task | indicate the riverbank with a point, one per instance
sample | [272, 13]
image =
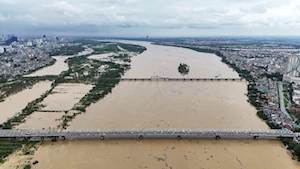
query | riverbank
[255, 97]
[9, 149]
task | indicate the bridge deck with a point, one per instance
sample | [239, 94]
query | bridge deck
[174, 79]
[147, 79]
[147, 134]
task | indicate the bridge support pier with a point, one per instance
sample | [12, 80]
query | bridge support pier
[141, 137]
[179, 137]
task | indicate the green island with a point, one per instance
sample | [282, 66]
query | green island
[183, 69]
[82, 69]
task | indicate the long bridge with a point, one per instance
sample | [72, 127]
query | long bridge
[154, 78]
[173, 79]
[129, 134]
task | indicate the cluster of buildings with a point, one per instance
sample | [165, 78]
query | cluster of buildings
[259, 62]
[292, 69]
[21, 56]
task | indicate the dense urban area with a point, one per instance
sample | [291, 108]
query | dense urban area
[261, 61]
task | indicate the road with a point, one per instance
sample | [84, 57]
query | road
[282, 106]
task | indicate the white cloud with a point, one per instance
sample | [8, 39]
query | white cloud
[63, 7]
[234, 17]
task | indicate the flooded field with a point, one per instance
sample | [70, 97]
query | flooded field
[42, 120]
[17, 102]
[63, 98]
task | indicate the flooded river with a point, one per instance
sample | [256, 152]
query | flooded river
[164, 154]
[163, 61]
[59, 66]
[169, 105]
[172, 105]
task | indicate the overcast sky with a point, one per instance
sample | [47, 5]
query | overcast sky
[139, 18]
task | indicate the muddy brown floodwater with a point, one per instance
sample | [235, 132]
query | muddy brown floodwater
[59, 66]
[172, 105]
[169, 105]
[63, 98]
[17, 102]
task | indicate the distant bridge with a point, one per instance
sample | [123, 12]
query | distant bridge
[173, 79]
[127, 134]
[154, 78]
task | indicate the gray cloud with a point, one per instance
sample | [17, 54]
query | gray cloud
[154, 18]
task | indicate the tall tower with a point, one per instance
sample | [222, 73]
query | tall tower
[292, 69]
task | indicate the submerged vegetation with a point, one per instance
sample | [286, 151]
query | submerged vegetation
[8, 147]
[132, 48]
[67, 50]
[85, 70]
[28, 110]
[9, 88]
[104, 48]
[81, 70]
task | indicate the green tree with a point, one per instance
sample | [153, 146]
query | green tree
[183, 69]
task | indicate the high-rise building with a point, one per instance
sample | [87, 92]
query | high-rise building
[292, 69]
[1, 49]
[11, 40]
[38, 42]
[29, 43]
